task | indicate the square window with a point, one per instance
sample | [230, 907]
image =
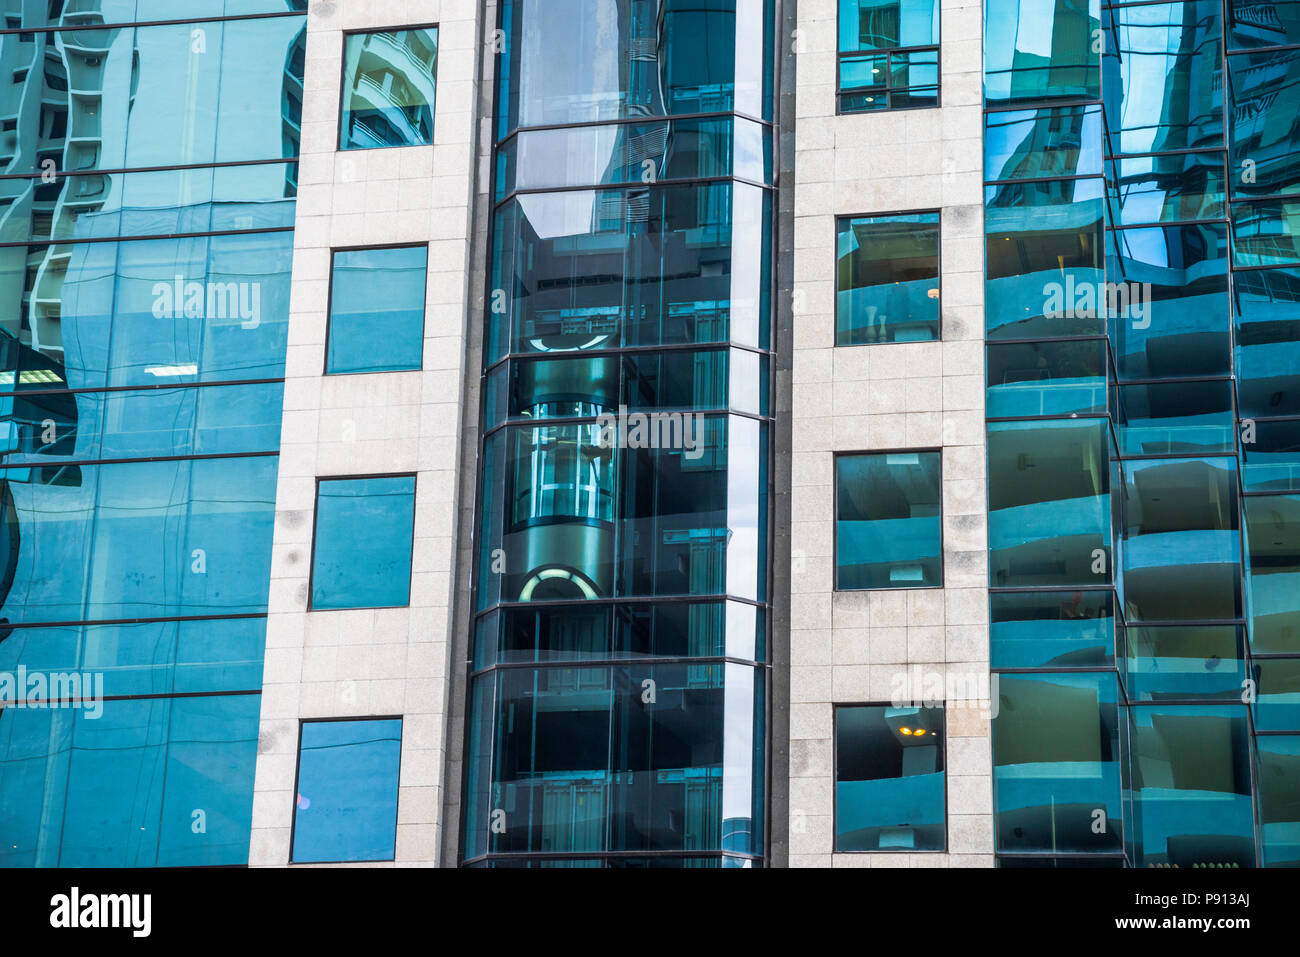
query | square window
[888, 521]
[346, 803]
[389, 79]
[364, 535]
[889, 779]
[376, 321]
[888, 55]
[887, 279]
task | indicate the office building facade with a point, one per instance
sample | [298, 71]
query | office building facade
[648, 433]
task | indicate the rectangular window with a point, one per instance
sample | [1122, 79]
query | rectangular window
[376, 320]
[888, 55]
[888, 521]
[887, 279]
[889, 780]
[345, 808]
[388, 88]
[362, 550]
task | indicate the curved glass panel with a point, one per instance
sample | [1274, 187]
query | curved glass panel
[1046, 378]
[388, 88]
[634, 153]
[1165, 188]
[1176, 418]
[1265, 156]
[1041, 49]
[1184, 663]
[1277, 705]
[1049, 503]
[1052, 629]
[1182, 549]
[1048, 143]
[616, 758]
[656, 265]
[625, 58]
[1272, 462]
[1163, 88]
[1177, 282]
[1266, 233]
[376, 320]
[1190, 791]
[1044, 258]
[1056, 764]
[1279, 799]
[1273, 543]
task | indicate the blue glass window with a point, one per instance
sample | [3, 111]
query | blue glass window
[362, 551]
[388, 88]
[889, 779]
[888, 527]
[888, 54]
[887, 279]
[1041, 49]
[1279, 799]
[345, 808]
[376, 321]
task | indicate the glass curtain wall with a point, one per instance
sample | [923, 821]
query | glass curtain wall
[147, 180]
[618, 685]
[1140, 304]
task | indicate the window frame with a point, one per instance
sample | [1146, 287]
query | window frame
[835, 278]
[885, 89]
[835, 519]
[315, 520]
[329, 307]
[297, 779]
[835, 776]
[343, 87]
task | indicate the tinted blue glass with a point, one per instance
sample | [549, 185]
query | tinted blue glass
[665, 264]
[888, 526]
[1264, 234]
[1049, 503]
[1181, 553]
[346, 805]
[1279, 799]
[627, 58]
[1176, 418]
[873, 25]
[1273, 547]
[1265, 158]
[1163, 87]
[889, 779]
[1272, 462]
[152, 312]
[48, 427]
[1051, 142]
[1056, 774]
[1277, 704]
[1176, 320]
[1052, 629]
[1044, 257]
[1047, 378]
[138, 658]
[376, 318]
[1184, 663]
[586, 767]
[634, 153]
[1190, 789]
[138, 540]
[362, 551]
[1041, 49]
[1263, 23]
[388, 88]
[1165, 188]
[143, 11]
[124, 787]
[887, 279]
[1268, 346]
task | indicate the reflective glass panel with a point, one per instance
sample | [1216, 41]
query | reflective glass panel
[362, 549]
[388, 88]
[887, 279]
[376, 321]
[888, 526]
